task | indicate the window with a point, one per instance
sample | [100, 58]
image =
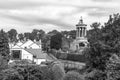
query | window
[16, 54]
[81, 45]
[34, 56]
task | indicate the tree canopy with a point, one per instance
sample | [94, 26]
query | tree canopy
[12, 34]
[103, 43]
[56, 41]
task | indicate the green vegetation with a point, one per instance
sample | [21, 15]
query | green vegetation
[4, 50]
[73, 75]
[104, 43]
[56, 41]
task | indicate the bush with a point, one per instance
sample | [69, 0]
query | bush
[96, 75]
[54, 71]
[10, 74]
[23, 73]
[73, 75]
[57, 71]
[113, 68]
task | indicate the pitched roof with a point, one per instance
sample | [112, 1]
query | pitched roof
[36, 52]
[19, 43]
[34, 44]
[27, 43]
[16, 47]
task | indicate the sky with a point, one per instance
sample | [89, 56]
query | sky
[25, 15]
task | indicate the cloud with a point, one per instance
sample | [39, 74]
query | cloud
[63, 14]
[103, 0]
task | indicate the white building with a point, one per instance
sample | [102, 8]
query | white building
[28, 50]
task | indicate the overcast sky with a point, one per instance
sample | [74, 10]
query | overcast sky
[25, 15]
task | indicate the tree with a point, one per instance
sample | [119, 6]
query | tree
[27, 35]
[56, 41]
[104, 42]
[34, 34]
[95, 25]
[12, 34]
[72, 34]
[94, 33]
[21, 36]
[65, 33]
[40, 35]
[4, 50]
[53, 32]
[4, 46]
[46, 42]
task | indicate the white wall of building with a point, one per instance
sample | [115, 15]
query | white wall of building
[38, 61]
[24, 54]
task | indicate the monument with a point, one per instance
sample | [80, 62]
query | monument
[81, 41]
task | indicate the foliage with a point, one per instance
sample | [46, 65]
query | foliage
[10, 74]
[21, 36]
[103, 43]
[53, 71]
[96, 75]
[56, 41]
[68, 56]
[4, 46]
[23, 73]
[3, 63]
[12, 34]
[57, 71]
[73, 75]
[46, 42]
[21, 62]
[27, 35]
[72, 34]
[53, 32]
[41, 34]
[113, 68]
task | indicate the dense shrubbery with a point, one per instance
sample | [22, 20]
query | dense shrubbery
[104, 43]
[66, 56]
[53, 71]
[113, 68]
[57, 71]
[96, 75]
[73, 75]
[23, 73]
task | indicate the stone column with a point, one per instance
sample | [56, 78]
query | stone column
[80, 32]
[85, 31]
[76, 32]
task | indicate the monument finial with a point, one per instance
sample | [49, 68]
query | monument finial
[81, 20]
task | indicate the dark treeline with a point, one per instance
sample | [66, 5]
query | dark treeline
[37, 35]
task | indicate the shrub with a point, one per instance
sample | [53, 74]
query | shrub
[10, 74]
[96, 75]
[57, 71]
[73, 75]
[113, 68]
